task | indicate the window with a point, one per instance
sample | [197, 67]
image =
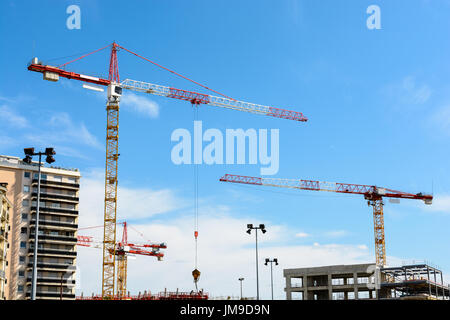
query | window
[363, 294]
[26, 174]
[57, 178]
[72, 180]
[43, 176]
[21, 273]
[23, 244]
[363, 280]
[25, 203]
[24, 217]
[20, 288]
[26, 188]
[23, 230]
[21, 259]
[56, 205]
[338, 296]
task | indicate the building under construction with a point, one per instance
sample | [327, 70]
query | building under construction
[365, 281]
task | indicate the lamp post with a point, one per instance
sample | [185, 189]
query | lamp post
[261, 227]
[29, 153]
[271, 271]
[240, 280]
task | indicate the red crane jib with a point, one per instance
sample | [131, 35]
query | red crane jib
[366, 190]
[67, 74]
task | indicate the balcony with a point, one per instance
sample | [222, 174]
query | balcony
[46, 195]
[53, 280]
[54, 224]
[57, 183]
[63, 211]
[50, 294]
[50, 265]
[53, 237]
[60, 252]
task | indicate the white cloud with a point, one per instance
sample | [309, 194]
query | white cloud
[69, 131]
[441, 203]
[302, 235]
[441, 119]
[6, 141]
[61, 131]
[9, 117]
[414, 93]
[133, 203]
[409, 92]
[336, 233]
[140, 104]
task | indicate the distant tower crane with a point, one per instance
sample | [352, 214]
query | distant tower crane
[374, 196]
[114, 92]
[122, 250]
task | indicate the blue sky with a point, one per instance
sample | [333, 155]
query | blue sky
[378, 105]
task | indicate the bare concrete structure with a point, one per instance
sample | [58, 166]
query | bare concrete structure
[339, 282]
[58, 223]
[418, 281]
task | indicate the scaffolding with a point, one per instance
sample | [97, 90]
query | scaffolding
[414, 281]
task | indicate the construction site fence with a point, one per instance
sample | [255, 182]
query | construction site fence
[159, 296]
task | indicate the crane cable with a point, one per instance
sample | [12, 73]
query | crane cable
[196, 272]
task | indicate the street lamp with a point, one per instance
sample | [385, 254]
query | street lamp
[29, 153]
[240, 280]
[261, 227]
[271, 272]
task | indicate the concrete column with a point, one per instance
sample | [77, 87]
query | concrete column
[288, 288]
[355, 284]
[305, 286]
[330, 287]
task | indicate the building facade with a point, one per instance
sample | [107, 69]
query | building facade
[339, 282]
[5, 208]
[58, 223]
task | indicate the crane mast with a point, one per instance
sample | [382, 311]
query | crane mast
[373, 194]
[112, 156]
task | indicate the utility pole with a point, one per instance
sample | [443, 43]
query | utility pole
[29, 153]
[271, 271]
[240, 280]
[261, 227]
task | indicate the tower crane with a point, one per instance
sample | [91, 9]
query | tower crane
[373, 194]
[121, 252]
[114, 93]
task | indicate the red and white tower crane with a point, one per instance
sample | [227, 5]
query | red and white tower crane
[122, 251]
[114, 93]
[373, 194]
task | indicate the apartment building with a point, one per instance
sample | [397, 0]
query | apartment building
[58, 222]
[5, 207]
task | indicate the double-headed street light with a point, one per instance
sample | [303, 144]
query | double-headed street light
[240, 280]
[261, 227]
[275, 260]
[29, 153]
